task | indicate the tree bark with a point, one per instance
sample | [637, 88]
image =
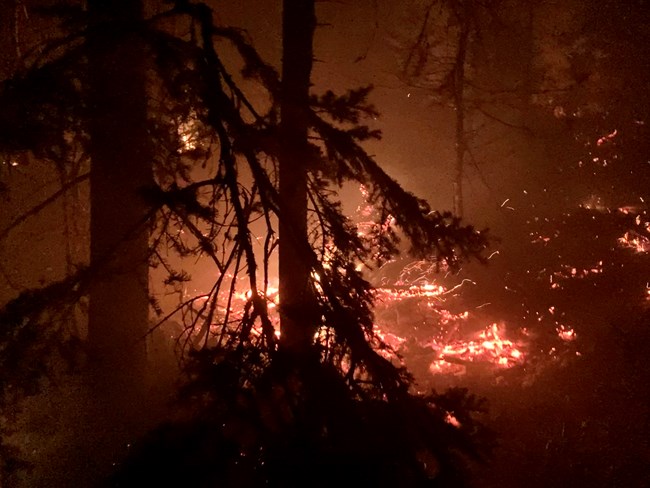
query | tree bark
[120, 168]
[299, 21]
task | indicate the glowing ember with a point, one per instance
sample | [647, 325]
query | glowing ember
[488, 347]
[566, 333]
[422, 314]
[403, 292]
[452, 420]
[571, 272]
[607, 138]
[635, 241]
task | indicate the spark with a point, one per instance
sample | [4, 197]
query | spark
[504, 204]
[607, 138]
[466, 280]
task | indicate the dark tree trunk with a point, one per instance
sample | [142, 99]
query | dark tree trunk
[120, 168]
[299, 21]
[459, 105]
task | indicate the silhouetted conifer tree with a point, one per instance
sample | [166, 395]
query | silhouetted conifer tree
[262, 414]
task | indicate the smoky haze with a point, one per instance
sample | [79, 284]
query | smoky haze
[527, 119]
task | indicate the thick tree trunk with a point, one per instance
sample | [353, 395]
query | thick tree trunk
[120, 168]
[299, 21]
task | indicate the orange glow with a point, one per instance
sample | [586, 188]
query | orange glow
[488, 347]
[635, 241]
[452, 420]
[566, 333]
[607, 138]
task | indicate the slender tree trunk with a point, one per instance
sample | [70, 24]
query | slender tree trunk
[459, 105]
[299, 21]
[120, 168]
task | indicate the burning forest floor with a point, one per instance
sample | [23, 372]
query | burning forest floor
[554, 333]
[568, 409]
